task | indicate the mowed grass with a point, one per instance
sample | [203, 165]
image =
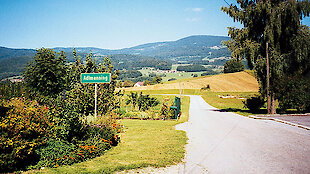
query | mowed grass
[229, 104]
[226, 104]
[231, 82]
[143, 143]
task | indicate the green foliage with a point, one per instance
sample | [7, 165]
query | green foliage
[135, 62]
[279, 26]
[47, 73]
[191, 68]
[25, 127]
[145, 102]
[58, 152]
[209, 72]
[157, 80]
[10, 90]
[172, 79]
[254, 103]
[67, 119]
[133, 99]
[294, 93]
[233, 65]
[128, 83]
[206, 88]
[166, 112]
[129, 74]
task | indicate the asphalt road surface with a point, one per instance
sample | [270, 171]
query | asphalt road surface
[223, 142]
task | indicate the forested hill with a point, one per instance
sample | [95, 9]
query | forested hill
[191, 49]
[199, 45]
[10, 52]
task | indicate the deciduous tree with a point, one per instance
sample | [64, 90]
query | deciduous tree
[46, 75]
[278, 23]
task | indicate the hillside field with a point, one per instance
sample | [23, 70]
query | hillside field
[231, 82]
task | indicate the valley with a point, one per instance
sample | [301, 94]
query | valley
[199, 49]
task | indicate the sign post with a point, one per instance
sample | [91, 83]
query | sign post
[95, 78]
[95, 100]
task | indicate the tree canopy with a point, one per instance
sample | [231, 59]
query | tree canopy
[47, 73]
[233, 65]
[278, 23]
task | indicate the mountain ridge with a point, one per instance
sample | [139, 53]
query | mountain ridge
[192, 49]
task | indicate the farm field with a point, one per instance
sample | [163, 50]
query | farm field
[231, 82]
[177, 75]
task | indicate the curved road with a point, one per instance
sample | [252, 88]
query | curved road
[223, 142]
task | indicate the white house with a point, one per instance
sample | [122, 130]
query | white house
[139, 84]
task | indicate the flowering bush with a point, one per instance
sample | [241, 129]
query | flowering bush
[59, 152]
[24, 128]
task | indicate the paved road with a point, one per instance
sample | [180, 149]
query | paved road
[222, 142]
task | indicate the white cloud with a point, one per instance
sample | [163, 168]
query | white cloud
[194, 9]
[192, 19]
[197, 9]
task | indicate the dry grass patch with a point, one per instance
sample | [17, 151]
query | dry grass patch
[231, 82]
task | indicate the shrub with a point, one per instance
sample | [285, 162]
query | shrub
[233, 65]
[206, 88]
[23, 129]
[294, 93]
[166, 112]
[254, 103]
[157, 80]
[58, 152]
[128, 83]
[145, 102]
[98, 138]
[10, 89]
[209, 72]
[172, 79]
[68, 125]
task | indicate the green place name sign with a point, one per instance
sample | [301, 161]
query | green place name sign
[95, 77]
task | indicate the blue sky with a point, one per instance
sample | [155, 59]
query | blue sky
[110, 24]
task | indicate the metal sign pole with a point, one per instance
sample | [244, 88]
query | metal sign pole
[95, 78]
[95, 100]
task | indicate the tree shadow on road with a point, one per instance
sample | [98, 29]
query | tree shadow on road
[244, 111]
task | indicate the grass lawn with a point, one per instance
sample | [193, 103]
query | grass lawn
[228, 104]
[143, 143]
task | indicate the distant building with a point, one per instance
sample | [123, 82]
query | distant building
[13, 80]
[16, 80]
[139, 84]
